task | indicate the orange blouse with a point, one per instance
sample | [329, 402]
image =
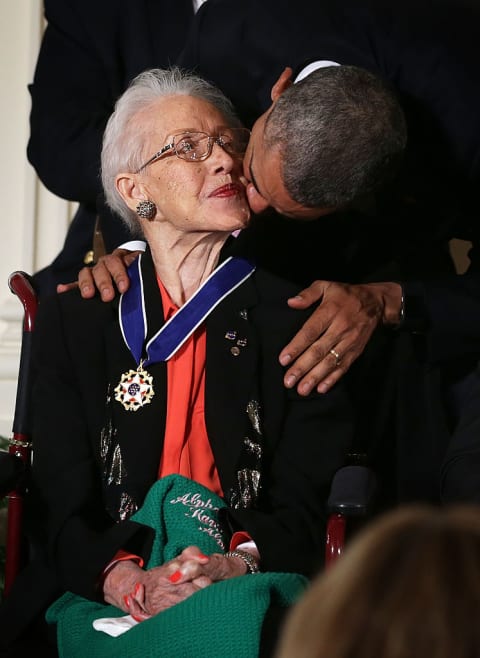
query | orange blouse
[186, 448]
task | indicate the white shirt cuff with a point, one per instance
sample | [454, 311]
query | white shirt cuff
[133, 245]
[313, 66]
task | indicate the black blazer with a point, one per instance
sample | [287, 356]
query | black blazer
[91, 51]
[79, 357]
[429, 52]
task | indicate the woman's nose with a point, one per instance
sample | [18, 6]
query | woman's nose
[222, 160]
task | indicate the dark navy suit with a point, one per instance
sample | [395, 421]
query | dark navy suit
[428, 51]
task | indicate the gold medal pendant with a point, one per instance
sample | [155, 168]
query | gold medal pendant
[135, 389]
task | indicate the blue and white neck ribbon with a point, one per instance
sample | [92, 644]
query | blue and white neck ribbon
[167, 341]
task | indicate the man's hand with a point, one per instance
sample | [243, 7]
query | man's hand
[337, 332]
[109, 269]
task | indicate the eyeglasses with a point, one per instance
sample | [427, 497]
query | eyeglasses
[197, 146]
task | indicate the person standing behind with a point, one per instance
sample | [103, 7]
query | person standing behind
[410, 224]
[422, 50]
[89, 53]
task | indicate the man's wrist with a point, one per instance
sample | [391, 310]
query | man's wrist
[416, 314]
[393, 302]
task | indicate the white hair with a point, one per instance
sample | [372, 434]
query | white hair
[124, 138]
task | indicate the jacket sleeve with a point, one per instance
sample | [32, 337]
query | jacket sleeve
[447, 313]
[66, 494]
[306, 440]
[289, 527]
[72, 97]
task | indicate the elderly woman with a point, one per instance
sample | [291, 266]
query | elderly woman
[169, 457]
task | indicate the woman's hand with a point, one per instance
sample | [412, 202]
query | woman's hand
[337, 332]
[208, 570]
[146, 593]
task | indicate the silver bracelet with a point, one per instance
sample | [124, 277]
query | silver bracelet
[250, 561]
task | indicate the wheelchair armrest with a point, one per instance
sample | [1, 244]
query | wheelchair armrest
[12, 470]
[352, 491]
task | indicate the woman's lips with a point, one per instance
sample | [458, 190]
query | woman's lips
[231, 189]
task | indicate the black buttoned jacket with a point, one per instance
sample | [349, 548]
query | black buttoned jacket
[79, 357]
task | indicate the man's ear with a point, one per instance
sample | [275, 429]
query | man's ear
[283, 83]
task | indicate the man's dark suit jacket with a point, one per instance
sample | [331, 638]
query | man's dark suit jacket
[429, 52]
[79, 357]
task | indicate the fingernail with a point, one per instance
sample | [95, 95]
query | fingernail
[175, 577]
[137, 587]
[322, 388]
[122, 286]
[285, 359]
[137, 618]
[305, 389]
[290, 381]
[126, 600]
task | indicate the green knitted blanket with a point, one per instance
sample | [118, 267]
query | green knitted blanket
[223, 620]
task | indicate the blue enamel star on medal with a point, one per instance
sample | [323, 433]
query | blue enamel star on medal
[135, 389]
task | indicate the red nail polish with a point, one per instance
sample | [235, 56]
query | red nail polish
[137, 587]
[126, 600]
[175, 577]
[202, 555]
[137, 618]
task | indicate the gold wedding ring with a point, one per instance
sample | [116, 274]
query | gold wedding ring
[336, 355]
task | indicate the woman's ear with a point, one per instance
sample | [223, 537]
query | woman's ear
[130, 190]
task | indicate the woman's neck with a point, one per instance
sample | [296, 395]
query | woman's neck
[184, 263]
